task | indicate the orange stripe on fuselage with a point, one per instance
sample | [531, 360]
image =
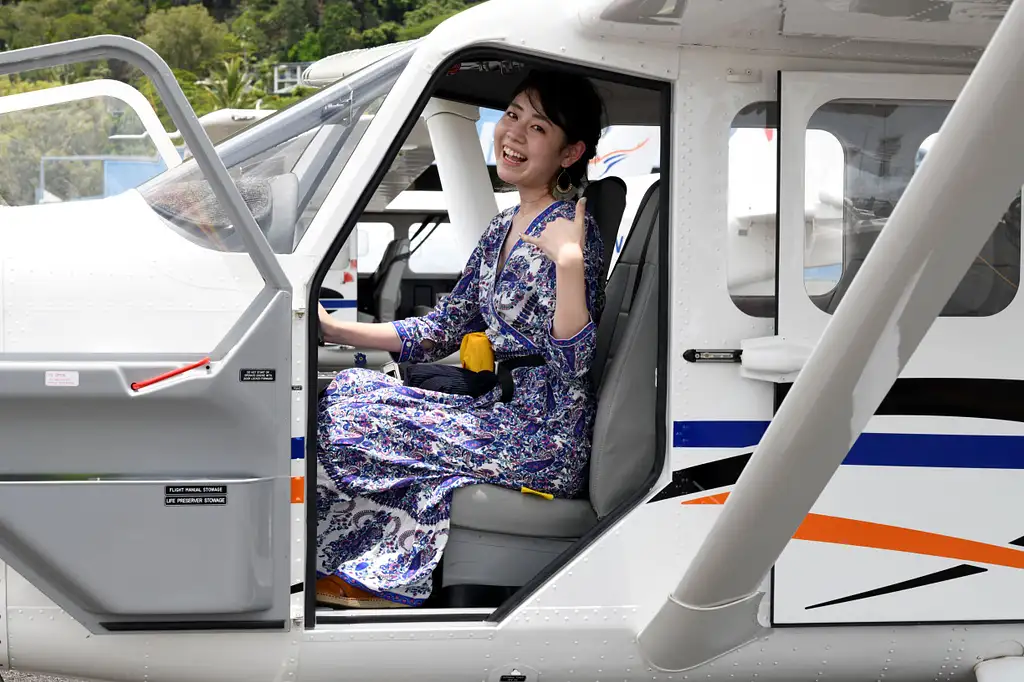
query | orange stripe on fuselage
[710, 499]
[298, 489]
[840, 531]
[717, 498]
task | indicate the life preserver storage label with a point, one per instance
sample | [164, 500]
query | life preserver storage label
[195, 495]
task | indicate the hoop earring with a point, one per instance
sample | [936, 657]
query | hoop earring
[558, 184]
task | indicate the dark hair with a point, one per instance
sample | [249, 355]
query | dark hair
[572, 103]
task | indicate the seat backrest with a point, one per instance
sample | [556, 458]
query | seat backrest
[606, 201]
[387, 293]
[624, 442]
[384, 263]
[622, 283]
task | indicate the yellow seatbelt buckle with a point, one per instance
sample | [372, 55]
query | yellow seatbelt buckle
[528, 491]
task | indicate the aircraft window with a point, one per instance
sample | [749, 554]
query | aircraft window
[884, 142]
[81, 149]
[371, 241]
[753, 153]
[433, 253]
[626, 151]
[823, 190]
[865, 175]
[751, 216]
[284, 166]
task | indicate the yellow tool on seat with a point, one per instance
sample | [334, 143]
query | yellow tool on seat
[529, 491]
[476, 353]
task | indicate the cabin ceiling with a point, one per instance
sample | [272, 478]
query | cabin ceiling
[490, 84]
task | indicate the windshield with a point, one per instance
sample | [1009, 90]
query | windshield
[283, 166]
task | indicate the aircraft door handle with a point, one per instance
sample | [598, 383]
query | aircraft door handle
[713, 355]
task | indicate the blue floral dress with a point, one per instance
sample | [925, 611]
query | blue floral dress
[390, 457]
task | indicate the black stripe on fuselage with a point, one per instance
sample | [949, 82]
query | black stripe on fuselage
[961, 571]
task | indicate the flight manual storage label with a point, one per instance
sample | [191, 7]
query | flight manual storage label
[195, 495]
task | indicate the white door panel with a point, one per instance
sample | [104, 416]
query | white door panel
[140, 489]
[912, 524]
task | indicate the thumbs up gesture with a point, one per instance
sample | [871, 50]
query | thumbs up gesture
[562, 239]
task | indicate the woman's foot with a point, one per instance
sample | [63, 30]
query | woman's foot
[333, 591]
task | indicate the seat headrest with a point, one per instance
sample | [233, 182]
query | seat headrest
[606, 201]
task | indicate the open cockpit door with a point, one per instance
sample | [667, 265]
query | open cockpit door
[922, 521]
[145, 476]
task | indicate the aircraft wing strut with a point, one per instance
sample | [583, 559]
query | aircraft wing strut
[936, 230]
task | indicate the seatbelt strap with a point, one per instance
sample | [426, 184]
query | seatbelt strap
[504, 371]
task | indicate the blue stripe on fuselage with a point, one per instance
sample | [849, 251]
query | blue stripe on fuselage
[872, 449]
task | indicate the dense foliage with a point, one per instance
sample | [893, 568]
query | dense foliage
[192, 35]
[221, 51]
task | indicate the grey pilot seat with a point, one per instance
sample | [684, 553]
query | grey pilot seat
[387, 281]
[499, 538]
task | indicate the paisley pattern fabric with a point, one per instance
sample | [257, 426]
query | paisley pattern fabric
[390, 457]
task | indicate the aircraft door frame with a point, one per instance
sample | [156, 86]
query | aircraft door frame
[158, 485]
[933, 470]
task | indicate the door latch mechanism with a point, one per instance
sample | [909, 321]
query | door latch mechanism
[715, 355]
[774, 359]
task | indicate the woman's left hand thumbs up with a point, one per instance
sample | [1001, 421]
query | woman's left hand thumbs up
[562, 239]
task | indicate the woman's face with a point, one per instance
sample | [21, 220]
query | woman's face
[529, 148]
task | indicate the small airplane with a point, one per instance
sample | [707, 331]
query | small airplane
[807, 450]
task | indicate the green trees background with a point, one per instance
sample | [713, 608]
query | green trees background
[222, 51]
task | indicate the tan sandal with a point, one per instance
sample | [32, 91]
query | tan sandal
[333, 591]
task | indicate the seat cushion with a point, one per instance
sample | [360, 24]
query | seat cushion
[500, 510]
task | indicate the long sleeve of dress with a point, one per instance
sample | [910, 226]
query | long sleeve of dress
[454, 316]
[572, 357]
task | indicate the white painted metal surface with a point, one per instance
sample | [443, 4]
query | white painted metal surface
[582, 622]
[917, 263]
[182, 297]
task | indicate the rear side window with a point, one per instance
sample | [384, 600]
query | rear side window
[860, 158]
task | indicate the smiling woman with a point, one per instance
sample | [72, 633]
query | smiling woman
[548, 103]
[391, 455]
